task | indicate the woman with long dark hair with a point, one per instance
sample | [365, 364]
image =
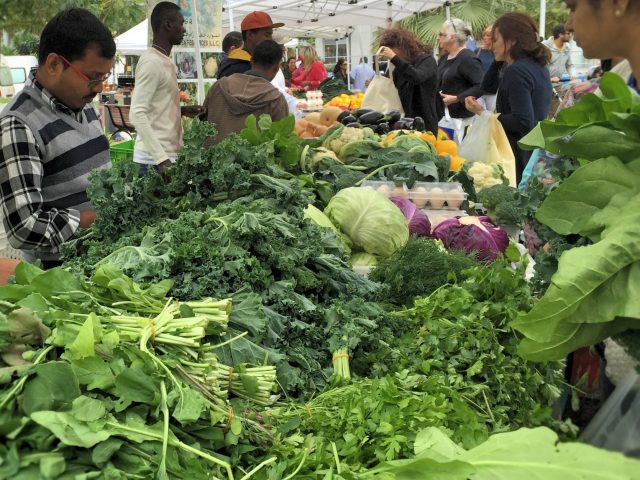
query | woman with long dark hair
[415, 74]
[340, 70]
[524, 92]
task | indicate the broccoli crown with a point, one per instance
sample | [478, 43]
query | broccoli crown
[502, 203]
[495, 195]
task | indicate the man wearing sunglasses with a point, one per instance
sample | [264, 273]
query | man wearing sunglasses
[52, 139]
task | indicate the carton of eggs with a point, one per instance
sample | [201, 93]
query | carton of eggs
[314, 100]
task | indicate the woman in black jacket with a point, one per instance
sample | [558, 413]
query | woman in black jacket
[459, 70]
[524, 89]
[415, 74]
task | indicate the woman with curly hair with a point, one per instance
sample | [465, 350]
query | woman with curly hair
[415, 74]
[524, 92]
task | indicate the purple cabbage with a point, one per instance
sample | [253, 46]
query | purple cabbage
[419, 223]
[473, 235]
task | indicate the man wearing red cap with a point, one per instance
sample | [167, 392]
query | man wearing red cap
[255, 27]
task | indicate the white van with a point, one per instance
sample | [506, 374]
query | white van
[6, 80]
[20, 66]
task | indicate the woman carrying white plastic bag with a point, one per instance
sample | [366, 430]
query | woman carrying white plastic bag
[524, 92]
[486, 142]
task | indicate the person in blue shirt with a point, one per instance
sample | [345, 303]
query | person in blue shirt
[362, 74]
[524, 92]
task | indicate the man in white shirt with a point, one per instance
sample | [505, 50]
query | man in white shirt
[155, 104]
[362, 74]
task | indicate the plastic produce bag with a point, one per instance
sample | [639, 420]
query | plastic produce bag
[455, 127]
[487, 142]
[382, 95]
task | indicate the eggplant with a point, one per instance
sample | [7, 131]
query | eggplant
[361, 111]
[348, 119]
[353, 125]
[403, 124]
[418, 124]
[393, 116]
[382, 128]
[343, 114]
[370, 118]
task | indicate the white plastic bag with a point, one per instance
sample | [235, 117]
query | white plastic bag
[456, 125]
[487, 142]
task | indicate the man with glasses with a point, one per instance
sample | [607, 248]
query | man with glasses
[560, 67]
[52, 138]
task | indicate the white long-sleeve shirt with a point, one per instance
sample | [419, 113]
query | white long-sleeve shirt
[155, 109]
[292, 102]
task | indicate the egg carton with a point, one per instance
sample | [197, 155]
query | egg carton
[437, 195]
[388, 189]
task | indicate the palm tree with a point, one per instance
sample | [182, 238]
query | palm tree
[477, 13]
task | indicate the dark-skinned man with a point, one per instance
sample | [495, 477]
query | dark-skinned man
[51, 137]
[256, 27]
[155, 104]
[232, 99]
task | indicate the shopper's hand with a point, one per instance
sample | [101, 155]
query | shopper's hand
[472, 105]
[162, 167]
[87, 218]
[191, 110]
[386, 52]
[555, 79]
[449, 99]
[305, 83]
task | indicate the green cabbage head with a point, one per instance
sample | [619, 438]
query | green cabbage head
[370, 220]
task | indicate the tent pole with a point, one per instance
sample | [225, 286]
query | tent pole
[232, 27]
[349, 62]
[447, 9]
[543, 17]
[389, 13]
[196, 44]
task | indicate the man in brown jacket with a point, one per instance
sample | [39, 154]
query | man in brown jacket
[232, 99]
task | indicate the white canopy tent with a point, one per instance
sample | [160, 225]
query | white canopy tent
[325, 18]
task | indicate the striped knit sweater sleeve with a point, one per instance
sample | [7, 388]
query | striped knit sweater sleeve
[21, 173]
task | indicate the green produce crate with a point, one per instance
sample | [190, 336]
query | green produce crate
[121, 151]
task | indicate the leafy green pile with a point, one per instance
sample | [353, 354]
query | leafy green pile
[464, 340]
[110, 379]
[417, 269]
[526, 453]
[283, 271]
[590, 297]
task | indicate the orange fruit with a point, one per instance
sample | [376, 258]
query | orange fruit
[429, 137]
[447, 146]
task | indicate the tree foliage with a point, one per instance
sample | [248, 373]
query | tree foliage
[32, 15]
[480, 13]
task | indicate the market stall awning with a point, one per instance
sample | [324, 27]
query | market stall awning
[326, 18]
[134, 40]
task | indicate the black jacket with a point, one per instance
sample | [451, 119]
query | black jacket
[524, 97]
[459, 76]
[416, 83]
[229, 66]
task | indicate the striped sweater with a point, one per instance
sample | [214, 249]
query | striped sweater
[47, 152]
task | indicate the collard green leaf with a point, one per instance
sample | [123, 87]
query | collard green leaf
[83, 346]
[580, 291]
[593, 142]
[103, 451]
[69, 429]
[54, 386]
[570, 208]
[533, 454]
[136, 386]
[190, 406]
[52, 465]
[93, 372]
